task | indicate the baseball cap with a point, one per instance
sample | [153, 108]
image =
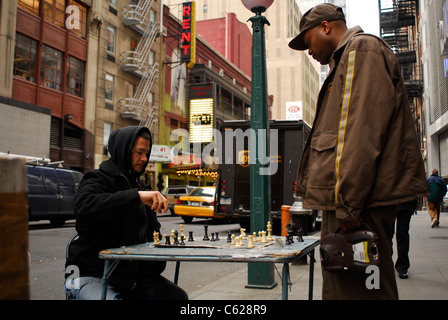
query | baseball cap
[314, 17]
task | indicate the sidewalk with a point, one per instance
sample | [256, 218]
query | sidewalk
[428, 275]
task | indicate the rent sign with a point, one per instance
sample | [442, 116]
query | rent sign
[188, 35]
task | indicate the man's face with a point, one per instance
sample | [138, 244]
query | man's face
[139, 153]
[317, 40]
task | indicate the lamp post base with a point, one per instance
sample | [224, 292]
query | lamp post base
[260, 276]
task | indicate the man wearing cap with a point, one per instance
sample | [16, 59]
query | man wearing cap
[362, 157]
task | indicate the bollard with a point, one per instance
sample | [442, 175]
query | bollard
[286, 218]
[14, 261]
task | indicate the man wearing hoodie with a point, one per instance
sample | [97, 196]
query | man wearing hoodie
[114, 208]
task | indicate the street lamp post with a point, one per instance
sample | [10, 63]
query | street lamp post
[259, 275]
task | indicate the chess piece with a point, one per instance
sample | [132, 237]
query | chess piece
[167, 240]
[239, 241]
[243, 233]
[233, 240]
[216, 236]
[269, 228]
[176, 238]
[172, 236]
[254, 237]
[156, 237]
[299, 235]
[250, 244]
[229, 237]
[213, 237]
[182, 243]
[206, 238]
[263, 237]
[164, 239]
[190, 237]
[181, 228]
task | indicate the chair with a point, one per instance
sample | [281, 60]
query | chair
[67, 253]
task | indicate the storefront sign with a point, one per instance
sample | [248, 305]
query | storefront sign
[160, 153]
[294, 110]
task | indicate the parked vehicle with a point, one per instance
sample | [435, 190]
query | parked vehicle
[174, 192]
[51, 193]
[445, 203]
[199, 203]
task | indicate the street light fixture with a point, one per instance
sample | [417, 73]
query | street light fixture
[259, 275]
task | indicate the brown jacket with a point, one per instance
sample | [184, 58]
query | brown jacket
[362, 151]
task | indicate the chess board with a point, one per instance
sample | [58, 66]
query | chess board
[262, 239]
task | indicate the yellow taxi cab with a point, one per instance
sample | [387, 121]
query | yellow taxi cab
[200, 203]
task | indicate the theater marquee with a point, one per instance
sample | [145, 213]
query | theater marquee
[201, 113]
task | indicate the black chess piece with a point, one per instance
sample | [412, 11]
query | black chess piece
[229, 237]
[190, 236]
[216, 236]
[206, 238]
[299, 235]
[176, 238]
[182, 243]
[167, 241]
[213, 237]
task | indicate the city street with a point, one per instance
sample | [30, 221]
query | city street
[47, 247]
[428, 279]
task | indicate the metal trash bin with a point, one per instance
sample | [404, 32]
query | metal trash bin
[300, 217]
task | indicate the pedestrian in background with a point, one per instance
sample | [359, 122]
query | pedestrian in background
[404, 214]
[437, 190]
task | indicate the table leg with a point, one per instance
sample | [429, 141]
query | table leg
[311, 280]
[285, 280]
[176, 274]
[109, 267]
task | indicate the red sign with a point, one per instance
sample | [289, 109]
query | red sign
[186, 32]
[294, 109]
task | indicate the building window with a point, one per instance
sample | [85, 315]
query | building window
[54, 12]
[81, 20]
[109, 94]
[113, 2]
[51, 68]
[25, 58]
[151, 58]
[152, 17]
[75, 77]
[31, 6]
[110, 39]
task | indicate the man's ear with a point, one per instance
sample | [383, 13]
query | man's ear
[325, 26]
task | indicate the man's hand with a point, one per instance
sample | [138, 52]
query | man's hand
[155, 200]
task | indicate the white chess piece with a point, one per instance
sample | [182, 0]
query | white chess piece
[181, 227]
[263, 237]
[156, 237]
[269, 237]
[250, 244]
[254, 236]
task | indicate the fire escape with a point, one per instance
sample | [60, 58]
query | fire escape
[138, 63]
[398, 27]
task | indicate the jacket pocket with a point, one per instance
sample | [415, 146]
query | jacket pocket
[322, 158]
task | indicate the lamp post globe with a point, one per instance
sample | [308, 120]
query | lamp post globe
[257, 5]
